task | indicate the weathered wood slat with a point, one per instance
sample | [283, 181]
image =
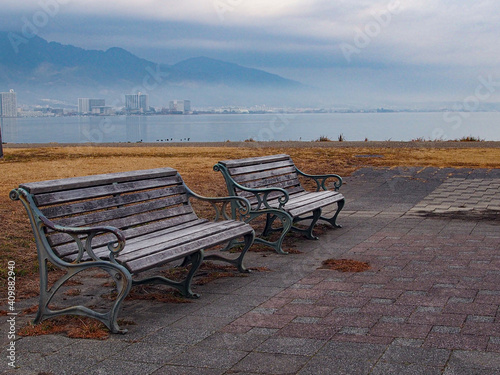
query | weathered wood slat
[255, 160]
[121, 212]
[243, 178]
[95, 180]
[148, 246]
[87, 206]
[302, 209]
[157, 228]
[283, 182]
[260, 167]
[307, 198]
[189, 247]
[131, 221]
[94, 192]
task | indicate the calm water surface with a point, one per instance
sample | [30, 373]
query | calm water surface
[283, 127]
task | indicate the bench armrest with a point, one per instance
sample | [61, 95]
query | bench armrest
[261, 194]
[39, 220]
[321, 180]
[240, 207]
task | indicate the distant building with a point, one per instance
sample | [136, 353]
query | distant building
[8, 104]
[137, 102]
[105, 111]
[180, 106]
[86, 105]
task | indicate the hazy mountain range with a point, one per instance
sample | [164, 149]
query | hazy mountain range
[49, 72]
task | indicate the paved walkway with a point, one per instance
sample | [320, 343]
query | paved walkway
[428, 305]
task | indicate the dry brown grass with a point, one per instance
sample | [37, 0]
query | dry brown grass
[345, 265]
[195, 165]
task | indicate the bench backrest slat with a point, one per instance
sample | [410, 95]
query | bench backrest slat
[260, 167]
[87, 206]
[256, 160]
[135, 202]
[263, 172]
[103, 190]
[110, 215]
[95, 180]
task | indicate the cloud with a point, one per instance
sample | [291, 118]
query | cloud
[411, 32]
[426, 44]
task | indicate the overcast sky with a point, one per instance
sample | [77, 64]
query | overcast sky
[366, 51]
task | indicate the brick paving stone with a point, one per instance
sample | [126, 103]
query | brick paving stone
[421, 300]
[271, 363]
[263, 320]
[393, 309]
[308, 331]
[305, 310]
[384, 368]
[293, 346]
[201, 357]
[242, 342]
[456, 341]
[302, 293]
[120, 366]
[480, 328]
[421, 356]
[446, 329]
[343, 301]
[408, 342]
[185, 370]
[394, 330]
[487, 362]
[306, 319]
[431, 318]
[471, 309]
[494, 344]
[350, 319]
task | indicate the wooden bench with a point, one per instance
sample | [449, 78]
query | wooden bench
[271, 184]
[124, 224]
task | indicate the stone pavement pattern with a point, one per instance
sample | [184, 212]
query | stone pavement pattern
[428, 305]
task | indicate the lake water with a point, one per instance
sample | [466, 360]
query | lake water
[402, 126]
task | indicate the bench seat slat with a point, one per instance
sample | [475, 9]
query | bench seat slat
[151, 241]
[156, 228]
[314, 204]
[189, 247]
[150, 246]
